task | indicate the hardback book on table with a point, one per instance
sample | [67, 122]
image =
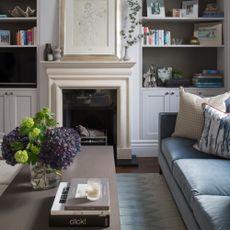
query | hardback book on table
[67, 210]
[82, 203]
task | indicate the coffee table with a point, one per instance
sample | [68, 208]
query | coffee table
[22, 208]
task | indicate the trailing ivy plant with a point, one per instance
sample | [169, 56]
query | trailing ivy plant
[128, 34]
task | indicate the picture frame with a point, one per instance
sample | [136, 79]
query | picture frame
[208, 33]
[155, 8]
[88, 29]
[163, 74]
[4, 37]
[190, 9]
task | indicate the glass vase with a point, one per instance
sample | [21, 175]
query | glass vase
[44, 177]
[126, 56]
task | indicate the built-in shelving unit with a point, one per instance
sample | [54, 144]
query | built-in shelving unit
[187, 58]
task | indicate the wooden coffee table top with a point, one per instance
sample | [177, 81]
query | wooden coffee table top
[22, 208]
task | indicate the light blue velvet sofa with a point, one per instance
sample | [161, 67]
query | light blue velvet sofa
[199, 182]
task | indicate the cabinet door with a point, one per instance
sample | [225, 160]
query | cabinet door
[154, 102]
[22, 103]
[174, 99]
[4, 114]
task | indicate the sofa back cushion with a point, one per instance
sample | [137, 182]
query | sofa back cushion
[215, 138]
[190, 119]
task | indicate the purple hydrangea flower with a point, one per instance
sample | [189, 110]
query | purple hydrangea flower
[60, 147]
[13, 138]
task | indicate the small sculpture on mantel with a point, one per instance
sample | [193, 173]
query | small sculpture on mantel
[149, 78]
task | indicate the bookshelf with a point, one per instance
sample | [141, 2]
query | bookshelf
[18, 78]
[186, 57]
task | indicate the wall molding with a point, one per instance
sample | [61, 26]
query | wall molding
[144, 148]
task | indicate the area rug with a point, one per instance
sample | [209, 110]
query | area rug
[145, 203]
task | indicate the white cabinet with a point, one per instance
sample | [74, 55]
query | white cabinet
[15, 104]
[159, 100]
[154, 102]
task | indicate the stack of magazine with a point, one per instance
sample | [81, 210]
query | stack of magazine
[208, 79]
[69, 209]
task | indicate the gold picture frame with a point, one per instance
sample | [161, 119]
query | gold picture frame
[89, 29]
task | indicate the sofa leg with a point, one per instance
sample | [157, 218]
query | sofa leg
[160, 170]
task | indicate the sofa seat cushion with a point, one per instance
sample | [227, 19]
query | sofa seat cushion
[212, 212]
[174, 148]
[202, 177]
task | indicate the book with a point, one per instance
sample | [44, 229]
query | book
[29, 37]
[74, 202]
[80, 220]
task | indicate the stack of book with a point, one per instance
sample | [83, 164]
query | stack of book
[71, 207]
[26, 37]
[208, 79]
[156, 37]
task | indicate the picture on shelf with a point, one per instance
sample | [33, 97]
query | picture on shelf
[155, 8]
[208, 33]
[163, 74]
[190, 9]
[4, 37]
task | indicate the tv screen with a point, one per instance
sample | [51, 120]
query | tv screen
[18, 67]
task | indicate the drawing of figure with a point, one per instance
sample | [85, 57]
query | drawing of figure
[90, 24]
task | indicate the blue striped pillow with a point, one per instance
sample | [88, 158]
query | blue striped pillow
[215, 138]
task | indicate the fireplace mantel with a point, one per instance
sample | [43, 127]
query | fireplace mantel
[94, 75]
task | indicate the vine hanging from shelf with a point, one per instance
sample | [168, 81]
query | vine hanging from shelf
[128, 34]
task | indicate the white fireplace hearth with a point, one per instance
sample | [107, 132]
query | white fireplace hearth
[94, 75]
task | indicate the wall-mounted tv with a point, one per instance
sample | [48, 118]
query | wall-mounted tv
[18, 67]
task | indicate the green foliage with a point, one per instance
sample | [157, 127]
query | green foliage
[128, 35]
[35, 129]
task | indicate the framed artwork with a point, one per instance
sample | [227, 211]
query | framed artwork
[4, 37]
[155, 8]
[163, 74]
[190, 9]
[208, 33]
[88, 28]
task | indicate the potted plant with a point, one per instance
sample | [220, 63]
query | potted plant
[128, 34]
[47, 148]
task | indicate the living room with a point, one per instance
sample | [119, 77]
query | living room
[133, 92]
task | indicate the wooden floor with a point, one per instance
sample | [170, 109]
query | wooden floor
[145, 165]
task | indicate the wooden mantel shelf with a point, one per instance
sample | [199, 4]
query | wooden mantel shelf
[88, 64]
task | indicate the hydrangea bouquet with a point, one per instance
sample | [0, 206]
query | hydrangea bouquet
[47, 148]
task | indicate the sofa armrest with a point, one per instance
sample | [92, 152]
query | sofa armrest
[167, 121]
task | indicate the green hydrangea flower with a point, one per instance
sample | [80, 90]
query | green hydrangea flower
[35, 132]
[27, 122]
[35, 149]
[21, 156]
[45, 110]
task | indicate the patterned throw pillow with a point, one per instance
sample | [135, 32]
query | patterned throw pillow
[215, 138]
[189, 122]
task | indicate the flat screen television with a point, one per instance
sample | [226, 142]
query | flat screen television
[18, 67]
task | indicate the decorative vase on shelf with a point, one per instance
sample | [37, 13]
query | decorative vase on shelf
[126, 56]
[44, 177]
[57, 53]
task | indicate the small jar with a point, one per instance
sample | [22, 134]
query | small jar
[48, 52]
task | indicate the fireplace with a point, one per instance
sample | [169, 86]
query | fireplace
[96, 76]
[94, 113]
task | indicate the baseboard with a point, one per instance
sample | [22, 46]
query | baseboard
[127, 162]
[145, 148]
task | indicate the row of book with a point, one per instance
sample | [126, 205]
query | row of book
[156, 37]
[26, 37]
[208, 79]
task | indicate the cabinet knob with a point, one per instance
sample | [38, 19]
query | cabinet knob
[172, 93]
[11, 93]
[200, 93]
[167, 93]
[6, 93]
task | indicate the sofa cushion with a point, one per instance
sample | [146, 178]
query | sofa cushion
[202, 177]
[212, 212]
[215, 138]
[174, 148]
[190, 119]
